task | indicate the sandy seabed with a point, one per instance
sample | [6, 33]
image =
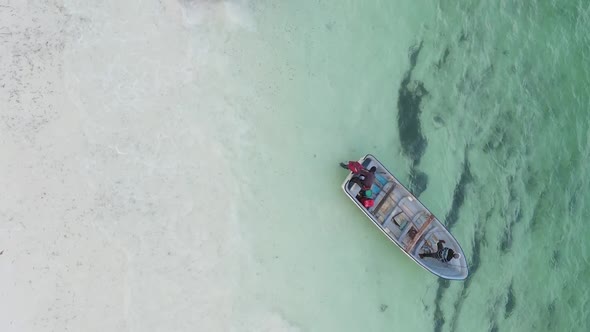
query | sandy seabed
[117, 201]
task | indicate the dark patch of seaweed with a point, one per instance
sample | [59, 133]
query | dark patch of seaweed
[412, 140]
[510, 301]
[459, 194]
[439, 318]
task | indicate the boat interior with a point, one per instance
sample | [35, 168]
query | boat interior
[407, 222]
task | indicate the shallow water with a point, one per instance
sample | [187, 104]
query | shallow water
[181, 163]
[480, 109]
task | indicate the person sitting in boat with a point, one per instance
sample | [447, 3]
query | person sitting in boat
[363, 177]
[443, 254]
[366, 198]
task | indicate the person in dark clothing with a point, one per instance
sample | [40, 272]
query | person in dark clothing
[443, 254]
[365, 178]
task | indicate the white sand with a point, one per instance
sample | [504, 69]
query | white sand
[114, 130]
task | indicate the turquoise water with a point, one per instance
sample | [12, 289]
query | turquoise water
[480, 107]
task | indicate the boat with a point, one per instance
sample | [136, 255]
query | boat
[406, 221]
